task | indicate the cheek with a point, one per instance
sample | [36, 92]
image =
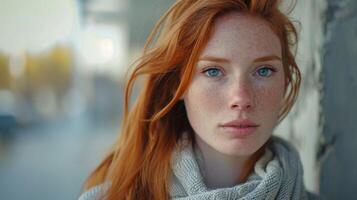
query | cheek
[269, 98]
[202, 102]
[204, 98]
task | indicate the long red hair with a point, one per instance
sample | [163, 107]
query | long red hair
[138, 167]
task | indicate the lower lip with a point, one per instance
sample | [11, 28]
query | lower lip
[240, 132]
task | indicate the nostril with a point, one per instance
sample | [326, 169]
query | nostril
[241, 106]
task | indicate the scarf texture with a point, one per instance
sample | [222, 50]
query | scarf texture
[277, 175]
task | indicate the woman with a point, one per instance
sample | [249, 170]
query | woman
[219, 77]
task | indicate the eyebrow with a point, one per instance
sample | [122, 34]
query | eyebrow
[214, 59]
[267, 58]
[223, 60]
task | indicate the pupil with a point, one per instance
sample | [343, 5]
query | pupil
[213, 72]
[263, 72]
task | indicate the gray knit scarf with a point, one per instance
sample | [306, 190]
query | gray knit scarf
[277, 175]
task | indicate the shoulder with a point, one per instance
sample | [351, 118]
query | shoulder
[94, 193]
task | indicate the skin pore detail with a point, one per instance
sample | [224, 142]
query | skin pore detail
[235, 96]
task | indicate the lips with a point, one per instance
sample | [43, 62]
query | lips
[239, 128]
[245, 123]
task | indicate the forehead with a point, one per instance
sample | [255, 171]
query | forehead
[242, 34]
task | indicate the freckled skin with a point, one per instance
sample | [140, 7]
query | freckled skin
[239, 93]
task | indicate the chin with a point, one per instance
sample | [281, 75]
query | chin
[239, 148]
[240, 151]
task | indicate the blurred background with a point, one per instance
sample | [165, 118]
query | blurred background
[62, 68]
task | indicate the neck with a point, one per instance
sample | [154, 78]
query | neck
[219, 170]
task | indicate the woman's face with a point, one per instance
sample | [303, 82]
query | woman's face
[237, 91]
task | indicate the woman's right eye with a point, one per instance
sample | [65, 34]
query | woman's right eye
[213, 72]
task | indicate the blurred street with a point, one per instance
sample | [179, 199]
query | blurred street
[51, 161]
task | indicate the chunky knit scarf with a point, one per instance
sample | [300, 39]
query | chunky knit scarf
[277, 175]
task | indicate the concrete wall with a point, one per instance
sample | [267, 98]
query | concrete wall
[321, 125]
[338, 153]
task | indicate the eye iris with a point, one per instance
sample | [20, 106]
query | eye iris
[263, 72]
[213, 72]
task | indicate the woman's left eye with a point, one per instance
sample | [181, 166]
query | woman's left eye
[213, 72]
[265, 71]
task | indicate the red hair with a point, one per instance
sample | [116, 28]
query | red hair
[138, 167]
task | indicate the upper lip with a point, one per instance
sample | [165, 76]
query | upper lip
[240, 123]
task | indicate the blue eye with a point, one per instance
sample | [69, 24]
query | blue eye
[265, 71]
[213, 72]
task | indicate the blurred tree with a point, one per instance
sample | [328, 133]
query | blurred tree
[50, 71]
[59, 63]
[4, 72]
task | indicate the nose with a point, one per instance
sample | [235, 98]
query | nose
[241, 95]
